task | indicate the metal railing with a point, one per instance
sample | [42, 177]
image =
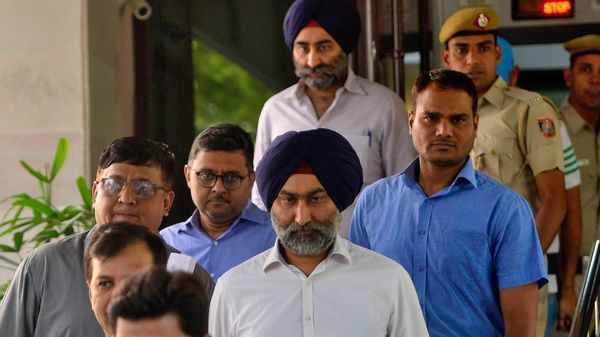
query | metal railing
[585, 322]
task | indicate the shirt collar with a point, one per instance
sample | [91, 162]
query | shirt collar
[495, 94]
[576, 122]
[251, 214]
[466, 173]
[351, 85]
[340, 249]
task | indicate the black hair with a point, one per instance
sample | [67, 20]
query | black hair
[140, 151]
[155, 293]
[445, 79]
[224, 137]
[108, 240]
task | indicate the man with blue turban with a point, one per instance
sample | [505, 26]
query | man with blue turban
[320, 35]
[313, 282]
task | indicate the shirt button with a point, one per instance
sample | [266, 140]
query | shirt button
[307, 318]
[212, 274]
[307, 282]
[215, 243]
[421, 232]
[421, 268]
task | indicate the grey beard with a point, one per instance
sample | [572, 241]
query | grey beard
[333, 74]
[321, 239]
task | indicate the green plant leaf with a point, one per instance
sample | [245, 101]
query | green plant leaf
[44, 236]
[16, 196]
[39, 175]
[84, 192]
[62, 149]
[7, 249]
[36, 206]
[18, 240]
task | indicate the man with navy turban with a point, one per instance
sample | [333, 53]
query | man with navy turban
[313, 282]
[320, 35]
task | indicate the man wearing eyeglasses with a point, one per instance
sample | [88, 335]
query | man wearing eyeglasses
[226, 228]
[49, 294]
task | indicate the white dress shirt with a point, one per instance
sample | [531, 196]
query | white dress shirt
[370, 116]
[353, 292]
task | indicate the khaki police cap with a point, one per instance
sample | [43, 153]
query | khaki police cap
[584, 44]
[470, 21]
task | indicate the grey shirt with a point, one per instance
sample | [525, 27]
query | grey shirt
[49, 294]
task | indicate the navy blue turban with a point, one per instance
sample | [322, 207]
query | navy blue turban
[327, 153]
[338, 17]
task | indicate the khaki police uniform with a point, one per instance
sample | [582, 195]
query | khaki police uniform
[518, 136]
[587, 146]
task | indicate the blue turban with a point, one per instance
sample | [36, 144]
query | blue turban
[506, 64]
[338, 17]
[326, 152]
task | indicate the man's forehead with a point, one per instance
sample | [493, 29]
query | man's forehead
[471, 39]
[301, 183]
[593, 59]
[312, 35]
[134, 172]
[136, 255]
[220, 159]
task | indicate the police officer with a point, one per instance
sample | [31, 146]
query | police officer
[581, 115]
[518, 140]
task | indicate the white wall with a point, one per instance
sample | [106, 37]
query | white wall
[41, 94]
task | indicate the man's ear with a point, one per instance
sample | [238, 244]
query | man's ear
[445, 55]
[168, 202]
[411, 120]
[186, 174]
[568, 77]
[95, 186]
[498, 54]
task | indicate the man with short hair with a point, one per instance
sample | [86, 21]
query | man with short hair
[321, 34]
[156, 303]
[226, 228]
[518, 142]
[581, 113]
[115, 252]
[133, 184]
[468, 242]
[313, 282]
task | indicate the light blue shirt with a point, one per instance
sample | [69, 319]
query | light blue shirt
[250, 234]
[460, 245]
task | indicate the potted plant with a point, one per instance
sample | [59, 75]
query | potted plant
[34, 220]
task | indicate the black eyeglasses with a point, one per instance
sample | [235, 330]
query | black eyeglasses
[143, 189]
[231, 181]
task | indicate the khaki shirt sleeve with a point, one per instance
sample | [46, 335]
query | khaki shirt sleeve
[543, 139]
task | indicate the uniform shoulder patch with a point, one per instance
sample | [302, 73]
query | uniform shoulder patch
[529, 97]
[547, 127]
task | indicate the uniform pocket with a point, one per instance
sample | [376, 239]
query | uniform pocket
[496, 157]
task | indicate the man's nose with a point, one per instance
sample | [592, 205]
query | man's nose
[443, 129]
[303, 215]
[472, 57]
[126, 196]
[313, 59]
[218, 187]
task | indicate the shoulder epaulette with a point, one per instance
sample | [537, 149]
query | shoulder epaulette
[529, 97]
